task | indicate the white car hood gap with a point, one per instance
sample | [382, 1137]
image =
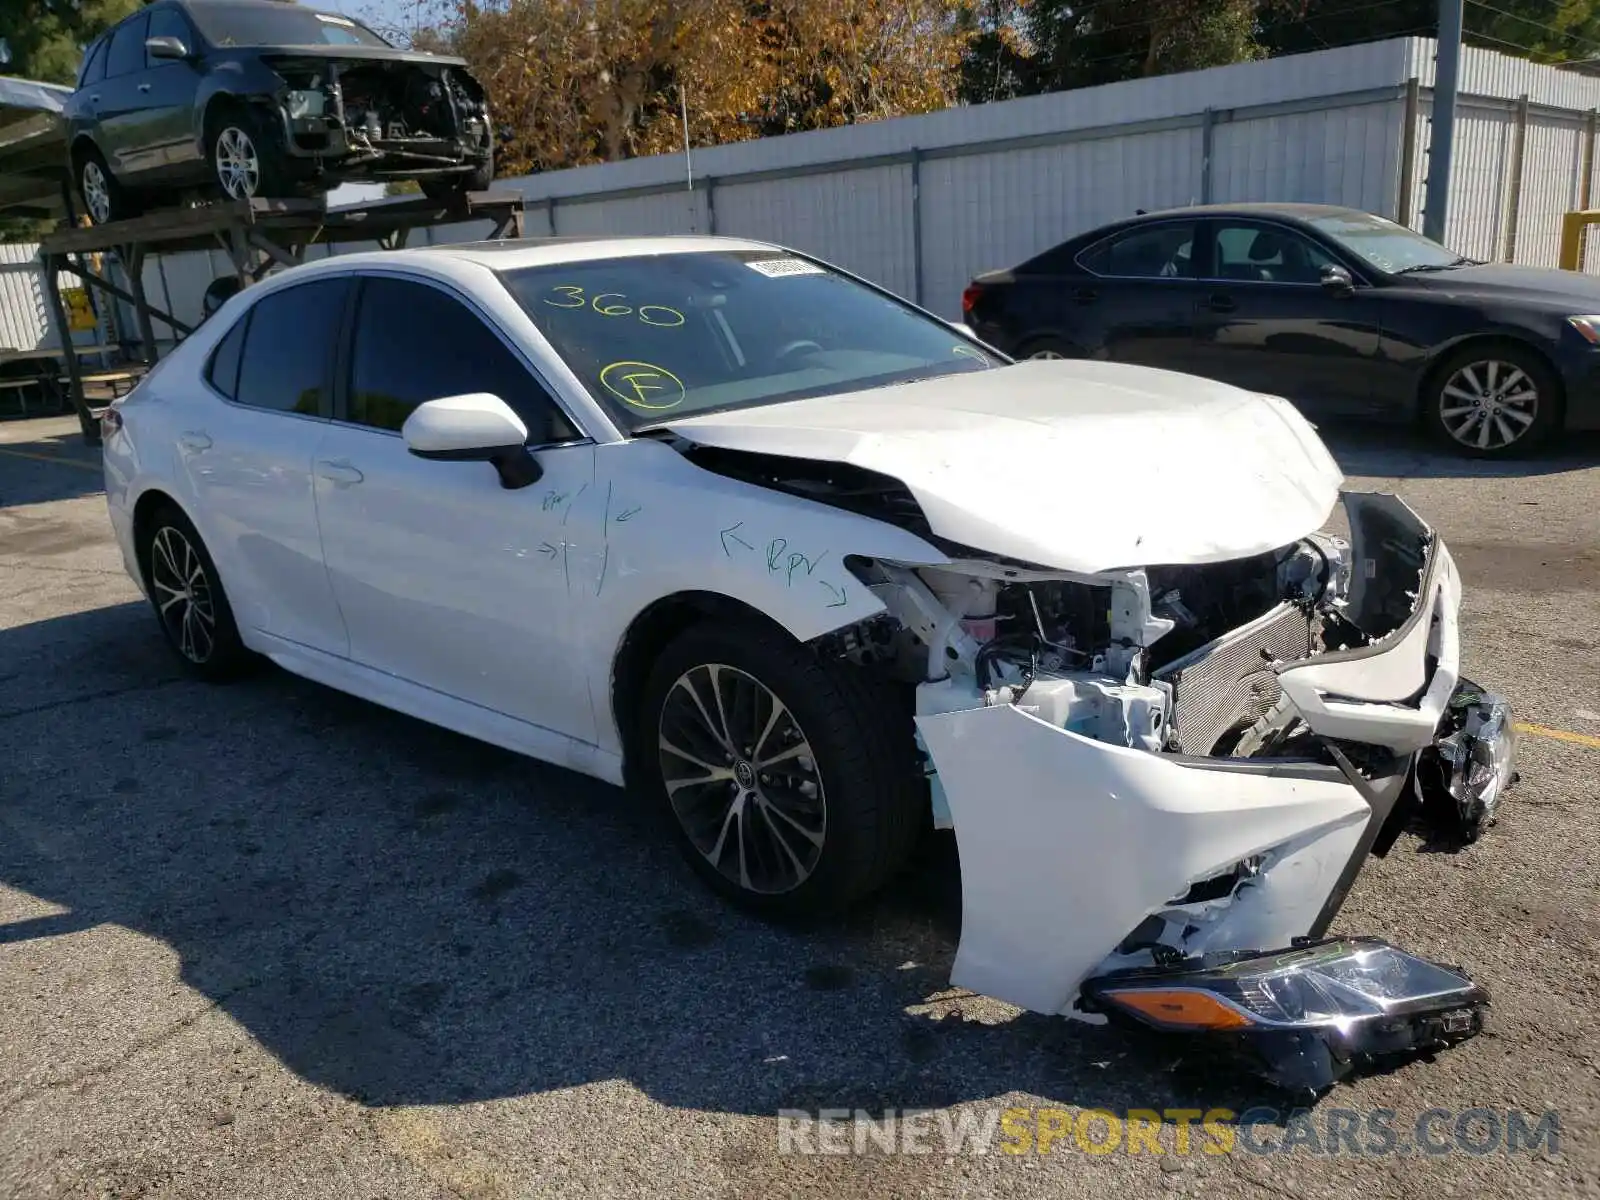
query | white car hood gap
[1077, 466]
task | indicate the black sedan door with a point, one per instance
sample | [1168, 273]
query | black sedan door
[1128, 297]
[1265, 320]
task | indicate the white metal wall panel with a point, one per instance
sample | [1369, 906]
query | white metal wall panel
[1480, 181]
[860, 220]
[1551, 176]
[1336, 156]
[24, 319]
[980, 212]
[671, 212]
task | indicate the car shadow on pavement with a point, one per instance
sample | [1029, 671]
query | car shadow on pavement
[45, 468]
[408, 917]
[1389, 451]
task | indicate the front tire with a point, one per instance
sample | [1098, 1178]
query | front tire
[789, 781]
[1492, 401]
[246, 158]
[186, 593]
[1048, 348]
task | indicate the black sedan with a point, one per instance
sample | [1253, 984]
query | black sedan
[263, 98]
[1338, 310]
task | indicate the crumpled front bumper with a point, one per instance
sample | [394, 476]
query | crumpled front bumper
[1080, 858]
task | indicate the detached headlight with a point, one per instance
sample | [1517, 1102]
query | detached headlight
[1587, 327]
[1471, 764]
[1337, 985]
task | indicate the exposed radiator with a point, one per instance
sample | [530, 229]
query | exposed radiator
[1230, 680]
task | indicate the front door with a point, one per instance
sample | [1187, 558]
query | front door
[247, 456]
[168, 91]
[1265, 321]
[447, 579]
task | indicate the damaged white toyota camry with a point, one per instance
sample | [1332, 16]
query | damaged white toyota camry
[812, 568]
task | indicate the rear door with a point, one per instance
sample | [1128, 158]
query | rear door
[1264, 320]
[247, 459]
[1133, 297]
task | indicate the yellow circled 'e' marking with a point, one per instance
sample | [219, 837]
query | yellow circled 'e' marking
[643, 385]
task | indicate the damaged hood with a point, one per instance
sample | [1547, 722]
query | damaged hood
[1077, 466]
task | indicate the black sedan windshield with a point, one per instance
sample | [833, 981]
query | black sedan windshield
[677, 334]
[1386, 245]
[254, 24]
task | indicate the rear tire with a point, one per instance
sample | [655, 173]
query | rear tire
[186, 593]
[1492, 400]
[805, 807]
[1048, 347]
[104, 199]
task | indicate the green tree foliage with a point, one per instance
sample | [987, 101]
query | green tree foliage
[47, 37]
[1553, 31]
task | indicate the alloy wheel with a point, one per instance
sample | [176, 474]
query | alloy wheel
[96, 192]
[1488, 405]
[238, 164]
[183, 595]
[742, 779]
[1047, 354]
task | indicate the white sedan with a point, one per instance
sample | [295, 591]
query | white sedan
[812, 569]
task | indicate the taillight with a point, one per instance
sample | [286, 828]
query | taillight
[969, 298]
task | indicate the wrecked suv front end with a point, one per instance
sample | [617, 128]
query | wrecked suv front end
[1164, 781]
[377, 116]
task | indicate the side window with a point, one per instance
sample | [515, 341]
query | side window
[288, 348]
[168, 22]
[127, 47]
[1267, 254]
[414, 343]
[94, 65]
[1150, 252]
[222, 372]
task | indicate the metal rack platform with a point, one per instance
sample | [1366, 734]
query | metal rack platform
[257, 235]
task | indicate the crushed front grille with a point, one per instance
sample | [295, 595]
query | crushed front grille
[1230, 681]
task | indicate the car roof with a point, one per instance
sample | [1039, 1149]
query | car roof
[1303, 212]
[509, 254]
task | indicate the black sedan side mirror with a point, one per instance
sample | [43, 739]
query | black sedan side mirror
[166, 47]
[1337, 280]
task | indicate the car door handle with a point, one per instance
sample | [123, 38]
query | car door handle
[340, 474]
[194, 440]
[1085, 295]
[94, 98]
[1219, 302]
[144, 87]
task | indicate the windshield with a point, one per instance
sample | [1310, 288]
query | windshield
[255, 24]
[671, 335]
[1387, 246]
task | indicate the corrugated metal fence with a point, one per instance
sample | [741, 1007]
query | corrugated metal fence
[921, 204]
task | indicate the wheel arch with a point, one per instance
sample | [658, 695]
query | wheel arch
[652, 630]
[150, 502]
[1444, 355]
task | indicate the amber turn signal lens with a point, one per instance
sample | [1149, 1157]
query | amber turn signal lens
[1179, 1009]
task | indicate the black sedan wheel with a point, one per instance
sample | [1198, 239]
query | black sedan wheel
[1493, 402]
[789, 781]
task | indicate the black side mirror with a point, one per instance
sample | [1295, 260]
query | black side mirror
[1337, 280]
[166, 47]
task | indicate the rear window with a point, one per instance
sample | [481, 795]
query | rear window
[94, 66]
[258, 24]
[223, 370]
[288, 348]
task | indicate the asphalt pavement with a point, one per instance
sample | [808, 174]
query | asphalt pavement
[267, 940]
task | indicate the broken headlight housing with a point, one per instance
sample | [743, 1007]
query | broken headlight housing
[1469, 767]
[1307, 1014]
